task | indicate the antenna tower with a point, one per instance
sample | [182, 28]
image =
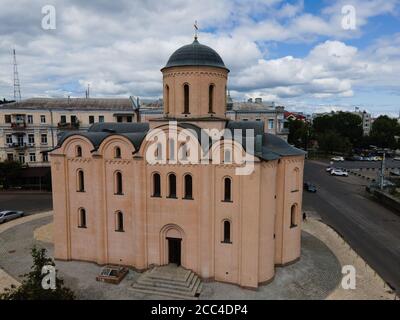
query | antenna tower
[17, 87]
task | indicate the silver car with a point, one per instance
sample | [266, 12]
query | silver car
[10, 215]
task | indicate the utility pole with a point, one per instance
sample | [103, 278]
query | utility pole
[17, 88]
[382, 172]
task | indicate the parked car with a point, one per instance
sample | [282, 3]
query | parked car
[10, 215]
[396, 158]
[337, 159]
[329, 169]
[309, 187]
[341, 173]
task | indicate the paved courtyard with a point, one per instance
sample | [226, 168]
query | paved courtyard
[315, 276]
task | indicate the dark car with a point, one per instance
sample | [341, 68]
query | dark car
[309, 187]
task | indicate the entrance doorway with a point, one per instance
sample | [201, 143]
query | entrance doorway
[174, 251]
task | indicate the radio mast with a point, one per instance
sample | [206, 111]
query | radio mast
[17, 87]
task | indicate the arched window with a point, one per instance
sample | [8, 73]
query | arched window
[158, 152]
[119, 221]
[293, 216]
[118, 182]
[117, 152]
[78, 151]
[171, 149]
[227, 189]
[81, 181]
[186, 99]
[227, 156]
[188, 187]
[156, 185]
[172, 186]
[227, 232]
[296, 180]
[82, 218]
[184, 152]
[166, 102]
[211, 98]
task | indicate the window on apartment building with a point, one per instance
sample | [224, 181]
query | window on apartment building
[119, 118]
[42, 119]
[188, 187]
[21, 158]
[156, 185]
[118, 183]
[227, 189]
[31, 138]
[63, 119]
[171, 185]
[245, 119]
[91, 119]
[119, 221]
[45, 157]
[101, 118]
[7, 118]
[82, 218]
[293, 216]
[73, 119]
[227, 231]
[32, 157]
[30, 118]
[9, 139]
[270, 124]
[129, 119]
[258, 119]
[10, 157]
[81, 181]
[43, 139]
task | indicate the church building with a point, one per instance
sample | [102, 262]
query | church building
[112, 205]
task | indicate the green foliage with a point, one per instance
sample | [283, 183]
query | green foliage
[299, 133]
[384, 131]
[31, 287]
[331, 142]
[9, 172]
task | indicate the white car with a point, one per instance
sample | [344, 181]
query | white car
[340, 173]
[337, 159]
[396, 158]
[10, 215]
[329, 169]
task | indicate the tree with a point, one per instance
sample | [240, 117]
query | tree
[9, 172]
[299, 133]
[331, 141]
[31, 287]
[384, 131]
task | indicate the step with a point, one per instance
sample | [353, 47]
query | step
[180, 290]
[171, 295]
[154, 281]
[179, 275]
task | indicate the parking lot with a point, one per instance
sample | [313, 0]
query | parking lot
[29, 202]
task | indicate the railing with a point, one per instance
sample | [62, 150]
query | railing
[18, 125]
[68, 125]
[18, 145]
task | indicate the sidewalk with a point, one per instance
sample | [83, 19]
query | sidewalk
[369, 285]
[5, 279]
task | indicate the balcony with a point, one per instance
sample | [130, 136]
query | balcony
[18, 125]
[18, 146]
[68, 125]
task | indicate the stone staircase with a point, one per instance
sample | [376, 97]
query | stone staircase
[171, 281]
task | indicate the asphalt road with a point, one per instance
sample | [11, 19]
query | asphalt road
[372, 230]
[390, 163]
[30, 202]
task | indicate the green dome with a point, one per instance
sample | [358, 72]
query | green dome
[195, 54]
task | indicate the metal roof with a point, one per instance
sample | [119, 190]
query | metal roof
[195, 54]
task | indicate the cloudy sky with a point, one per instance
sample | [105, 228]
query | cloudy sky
[297, 53]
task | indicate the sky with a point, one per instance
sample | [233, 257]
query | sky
[310, 56]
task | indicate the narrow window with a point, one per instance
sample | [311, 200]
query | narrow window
[118, 183]
[158, 152]
[117, 153]
[211, 99]
[91, 119]
[227, 190]
[156, 185]
[296, 180]
[172, 149]
[227, 232]
[166, 99]
[186, 98]
[119, 222]
[78, 151]
[188, 187]
[81, 181]
[82, 218]
[293, 219]
[172, 186]
[227, 156]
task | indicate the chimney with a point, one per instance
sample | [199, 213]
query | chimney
[258, 100]
[250, 100]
